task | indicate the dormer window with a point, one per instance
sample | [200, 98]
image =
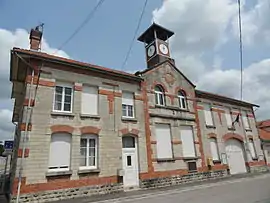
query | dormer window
[182, 100]
[159, 95]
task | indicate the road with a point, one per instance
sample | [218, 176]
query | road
[245, 190]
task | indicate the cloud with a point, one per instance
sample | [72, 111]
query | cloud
[8, 40]
[201, 29]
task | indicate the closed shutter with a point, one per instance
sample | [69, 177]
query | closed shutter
[245, 121]
[164, 144]
[214, 149]
[187, 138]
[252, 148]
[128, 98]
[60, 151]
[228, 118]
[208, 116]
[90, 100]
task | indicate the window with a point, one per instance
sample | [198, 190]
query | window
[182, 100]
[164, 144]
[88, 148]
[59, 159]
[214, 149]
[245, 121]
[208, 116]
[187, 139]
[159, 96]
[63, 96]
[251, 147]
[89, 100]
[128, 142]
[228, 117]
[128, 104]
[192, 166]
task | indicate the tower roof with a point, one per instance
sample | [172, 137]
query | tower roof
[162, 33]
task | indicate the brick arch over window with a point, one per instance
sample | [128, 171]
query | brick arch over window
[62, 129]
[89, 130]
[233, 136]
[212, 135]
[126, 131]
[180, 89]
[159, 84]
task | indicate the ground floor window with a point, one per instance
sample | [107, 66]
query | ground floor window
[88, 151]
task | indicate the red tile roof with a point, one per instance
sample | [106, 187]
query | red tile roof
[73, 62]
[264, 133]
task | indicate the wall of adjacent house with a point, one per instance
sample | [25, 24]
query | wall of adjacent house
[222, 115]
[107, 125]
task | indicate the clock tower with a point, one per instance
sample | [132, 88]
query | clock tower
[156, 43]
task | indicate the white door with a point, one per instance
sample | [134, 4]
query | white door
[235, 156]
[130, 162]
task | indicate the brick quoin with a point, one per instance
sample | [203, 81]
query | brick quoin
[212, 135]
[233, 136]
[23, 127]
[26, 153]
[78, 87]
[26, 101]
[62, 129]
[90, 130]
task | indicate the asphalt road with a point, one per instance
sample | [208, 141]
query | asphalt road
[245, 190]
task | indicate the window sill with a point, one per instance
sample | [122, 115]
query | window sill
[171, 108]
[55, 113]
[211, 126]
[129, 119]
[88, 170]
[216, 161]
[89, 116]
[248, 130]
[165, 160]
[190, 158]
[58, 173]
[231, 128]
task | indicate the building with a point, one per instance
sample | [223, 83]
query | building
[264, 133]
[93, 130]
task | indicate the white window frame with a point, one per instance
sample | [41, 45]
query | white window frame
[89, 137]
[128, 105]
[251, 146]
[159, 93]
[57, 168]
[97, 105]
[182, 99]
[214, 140]
[63, 85]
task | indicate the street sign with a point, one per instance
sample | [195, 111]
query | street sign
[8, 145]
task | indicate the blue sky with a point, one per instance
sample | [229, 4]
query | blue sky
[205, 44]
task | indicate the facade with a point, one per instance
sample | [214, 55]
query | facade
[85, 129]
[264, 133]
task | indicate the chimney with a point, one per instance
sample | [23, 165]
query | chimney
[35, 38]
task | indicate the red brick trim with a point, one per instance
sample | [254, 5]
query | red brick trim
[236, 113]
[196, 142]
[90, 130]
[212, 135]
[250, 137]
[78, 87]
[162, 174]
[199, 107]
[178, 89]
[155, 83]
[61, 184]
[217, 110]
[250, 115]
[233, 136]
[62, 128]
[26, 101]
[256, 163]
[26, 153]
[23, 127]
[138, 97]
[110, 97]
[125, 131]
[153, 142]
[176, 142]
[42, 82]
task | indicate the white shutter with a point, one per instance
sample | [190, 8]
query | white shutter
[252, 148]
[228, 118]
[164, 143]
[214, 149]
[245, 121]
[127, 98]
[187, 139]
[90, 100]
[60, 151]
[208, 115]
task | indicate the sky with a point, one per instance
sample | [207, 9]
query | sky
[205, 45]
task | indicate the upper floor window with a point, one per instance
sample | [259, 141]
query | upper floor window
[89, 100]
[63, 97]
[128, 104]
[228, 117]
[159, 95]
[245, 121]
[208, 115]
[88, 149]
[182, 100]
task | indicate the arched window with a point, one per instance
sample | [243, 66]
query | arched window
[214, 149]
[182, 100]
[159, 95]
[88, 151]
[60, 152]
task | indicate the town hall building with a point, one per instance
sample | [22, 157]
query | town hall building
[84, 129]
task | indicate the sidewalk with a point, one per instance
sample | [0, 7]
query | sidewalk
[105, 197]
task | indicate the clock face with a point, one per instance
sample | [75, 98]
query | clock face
[151, 50]
[164, 49]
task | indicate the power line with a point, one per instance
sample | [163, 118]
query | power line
[241, 48]
[135, 34]
[88, 17]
